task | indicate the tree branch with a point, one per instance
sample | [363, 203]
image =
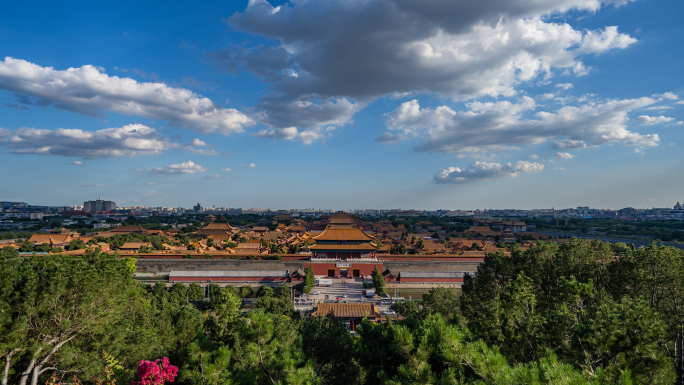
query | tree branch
[8, 361]
[261, 357]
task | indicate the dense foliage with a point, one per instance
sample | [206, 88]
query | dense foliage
[552, 314]
[600, 314]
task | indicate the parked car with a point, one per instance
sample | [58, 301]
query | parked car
[315, 292]
[390, 312]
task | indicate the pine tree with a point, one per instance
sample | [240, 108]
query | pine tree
[309, 279]
[378, 281]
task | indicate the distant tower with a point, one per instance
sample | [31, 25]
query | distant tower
[197, 208]
[678, 206]
[99, 205]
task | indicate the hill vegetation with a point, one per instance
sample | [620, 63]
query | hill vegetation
[572, 313]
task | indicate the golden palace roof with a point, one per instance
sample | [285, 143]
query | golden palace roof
[340, 218]
[325, 246]
[50, 239]
[343, 234]
[218, 226]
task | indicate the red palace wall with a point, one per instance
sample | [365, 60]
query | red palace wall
[321, 268]
[227, 279]
[416, 257]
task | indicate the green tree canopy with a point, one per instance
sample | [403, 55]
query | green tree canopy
[58, 312]
[309, 280]
[265, 291]
[76, 244]
[378, 281]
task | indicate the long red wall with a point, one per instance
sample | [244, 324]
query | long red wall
[295, 257]
[417, 257]
[227, 279]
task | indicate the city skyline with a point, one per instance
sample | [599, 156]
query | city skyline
[344, 104]
[93, 207]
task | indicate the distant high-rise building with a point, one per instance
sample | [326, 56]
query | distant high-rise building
[99, 205]
[678, 206]
[197, 208]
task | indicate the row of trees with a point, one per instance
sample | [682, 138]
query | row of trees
[552, 314]
[610, 318]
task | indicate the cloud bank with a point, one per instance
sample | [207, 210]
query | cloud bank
[129, 140]
[486, 128]
[564, 155]
[188, 167]
[482, 171]
[652, 120]
[462, 50]
[198, 146]
[87, 90]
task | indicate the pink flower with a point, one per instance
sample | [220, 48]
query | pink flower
[152, 373]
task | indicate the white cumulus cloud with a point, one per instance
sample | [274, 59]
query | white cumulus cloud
[480, 171]
[564, 155]
[129, 140]
[188, 167]
[196, 146]
[307, 136]
[347, 53]
[652, 120]
[485, 128]
[667, 96]
[606, 40]
[88, 90]
[568, 143]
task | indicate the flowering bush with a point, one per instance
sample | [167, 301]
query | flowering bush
[152, 373]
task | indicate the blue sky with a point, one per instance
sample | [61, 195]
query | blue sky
[343, 104]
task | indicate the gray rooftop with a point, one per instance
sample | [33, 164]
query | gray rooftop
[229, 273]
